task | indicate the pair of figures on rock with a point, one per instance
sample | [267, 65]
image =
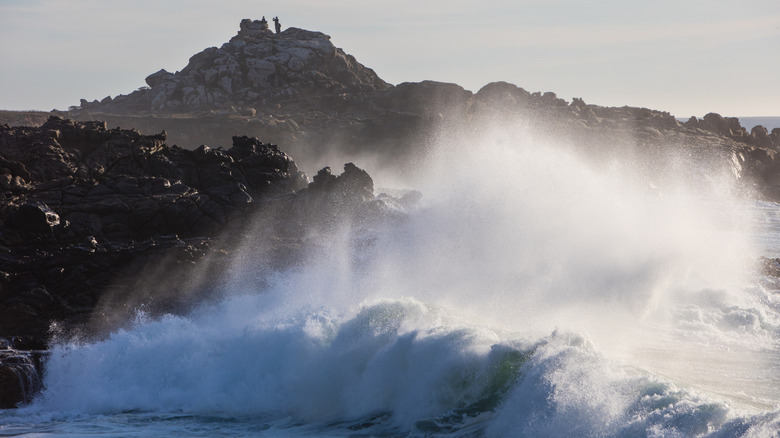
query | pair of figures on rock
[276, 24]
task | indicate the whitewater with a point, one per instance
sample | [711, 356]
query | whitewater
[533, 292]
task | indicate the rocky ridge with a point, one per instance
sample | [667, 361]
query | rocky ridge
[295, 88]
[391, 126]
[81, 202]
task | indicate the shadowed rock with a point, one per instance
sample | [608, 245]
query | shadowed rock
[97, 223]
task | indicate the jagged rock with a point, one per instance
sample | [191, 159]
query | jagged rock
[118, 191]
[760, 136]
[353, 185]
[21, 366]
[713, 122]
[297, 88]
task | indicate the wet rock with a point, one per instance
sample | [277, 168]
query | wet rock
[96, 202]
[21, 366]
[109, 221]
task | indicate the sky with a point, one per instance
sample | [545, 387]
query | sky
[687, 57]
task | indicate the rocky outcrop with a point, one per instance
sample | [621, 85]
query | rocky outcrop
[730, 127]
[96, 223]
[113, 183]
[21, 367]
[82, 203]
[254, 70]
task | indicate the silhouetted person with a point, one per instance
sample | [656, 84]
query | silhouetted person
[264, 23]
[278, 26]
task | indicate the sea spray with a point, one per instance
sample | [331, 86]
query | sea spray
[532, 293]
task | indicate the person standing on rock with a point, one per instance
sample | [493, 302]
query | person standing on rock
[278, 26]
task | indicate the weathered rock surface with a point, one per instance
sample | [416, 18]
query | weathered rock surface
[254, 69]
[81, 203]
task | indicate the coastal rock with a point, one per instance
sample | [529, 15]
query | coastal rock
[91, 201]
[20, 371]
[253, 68]
[158, 78]
[352, 186]
[107, 221]
[36, 220]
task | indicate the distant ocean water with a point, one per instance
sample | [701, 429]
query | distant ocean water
[767, 122]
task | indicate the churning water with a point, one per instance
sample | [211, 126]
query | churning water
[530, 294]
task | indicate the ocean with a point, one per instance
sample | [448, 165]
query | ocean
[529, 294]
[769, 123]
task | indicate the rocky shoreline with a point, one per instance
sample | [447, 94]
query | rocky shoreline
[90, 216]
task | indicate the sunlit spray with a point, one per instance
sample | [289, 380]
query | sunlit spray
[532, 291]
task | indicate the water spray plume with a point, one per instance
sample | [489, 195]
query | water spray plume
[534, 290]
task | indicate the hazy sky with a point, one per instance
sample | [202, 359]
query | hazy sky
[688, 57]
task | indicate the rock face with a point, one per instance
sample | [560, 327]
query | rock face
[20, 371]
[254, 68]
[80, 203]
[97, 222]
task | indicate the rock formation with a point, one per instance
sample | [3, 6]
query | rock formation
[90, 217]
[21, 367]
[81, 202]
[255, 69]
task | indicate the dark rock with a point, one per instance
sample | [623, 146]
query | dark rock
[760, 136]
[35, 219]
[21, 367]
[86, 184]
[354, 184]
[108, 221]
